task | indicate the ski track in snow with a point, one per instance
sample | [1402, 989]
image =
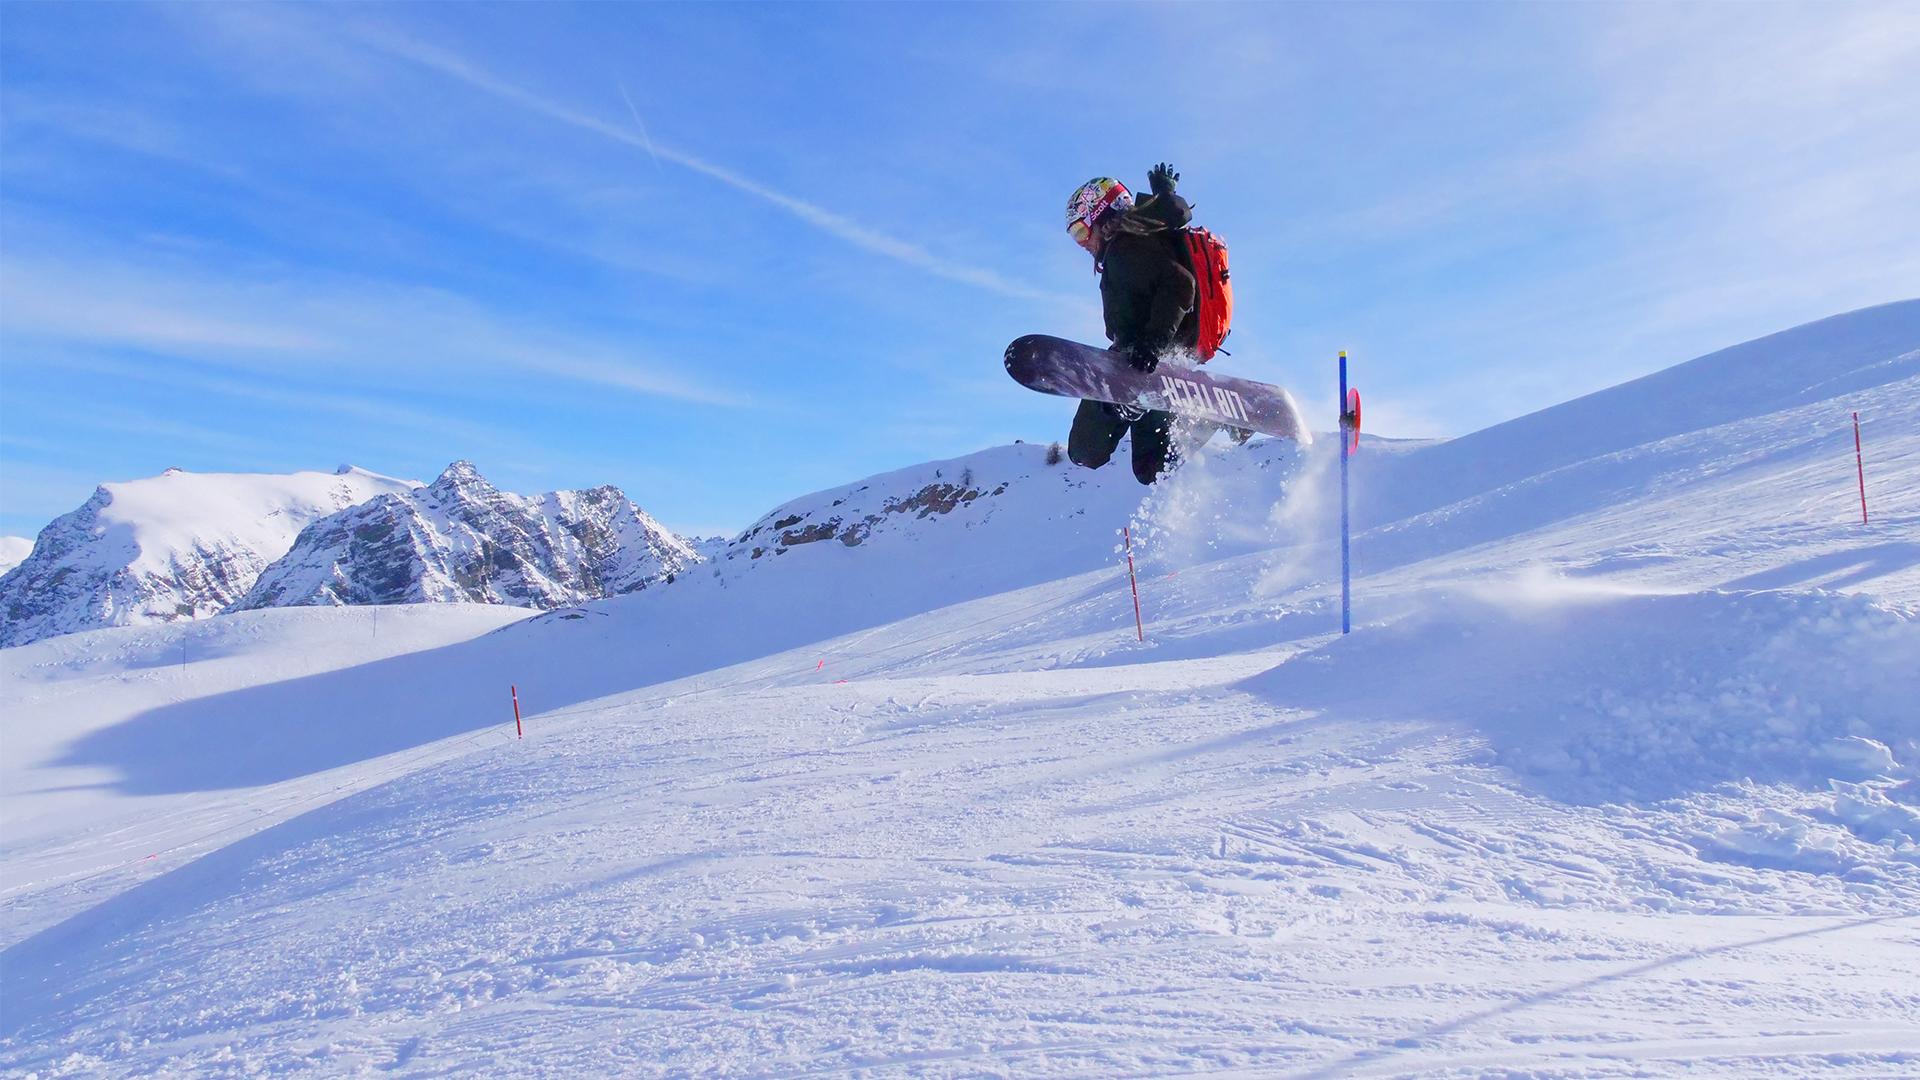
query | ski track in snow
[1616, 778]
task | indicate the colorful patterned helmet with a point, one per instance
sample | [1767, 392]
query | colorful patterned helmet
[1093, 199]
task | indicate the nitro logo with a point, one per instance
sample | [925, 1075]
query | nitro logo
[1187, 396]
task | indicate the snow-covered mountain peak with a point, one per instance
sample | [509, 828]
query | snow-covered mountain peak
[175, 546]
[463, 539]
[461, 475]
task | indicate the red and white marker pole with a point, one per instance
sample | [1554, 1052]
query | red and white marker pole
[1349, 446]
[518, 733]
[1859, 468]
[1139, 628]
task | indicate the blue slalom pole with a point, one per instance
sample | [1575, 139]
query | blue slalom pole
[1346, 566]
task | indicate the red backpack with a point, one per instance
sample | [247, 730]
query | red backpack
[1213, 312]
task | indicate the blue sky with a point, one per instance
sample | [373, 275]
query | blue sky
[722, 256]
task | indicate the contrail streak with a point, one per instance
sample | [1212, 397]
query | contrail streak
[637, 122]
[845, 228]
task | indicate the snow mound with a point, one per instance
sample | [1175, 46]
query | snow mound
[1594, 696]
[1868, 831]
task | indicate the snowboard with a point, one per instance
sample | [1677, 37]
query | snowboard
[1054, 365]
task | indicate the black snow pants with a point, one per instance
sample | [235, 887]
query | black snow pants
[1097, 428]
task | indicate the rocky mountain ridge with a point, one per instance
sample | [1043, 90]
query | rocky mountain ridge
[461, 539]
[189, 545]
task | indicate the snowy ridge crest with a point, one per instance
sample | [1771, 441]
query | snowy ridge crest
[859, 510]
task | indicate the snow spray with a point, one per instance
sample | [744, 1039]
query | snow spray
[1182, 519]
[1859, 468]
[1199, 510]
[1264, 499]
[1295, 525]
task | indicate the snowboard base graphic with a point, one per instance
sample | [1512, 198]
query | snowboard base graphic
[1054, 365]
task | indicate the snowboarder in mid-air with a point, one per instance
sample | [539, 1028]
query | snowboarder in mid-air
[1165, 290]
[1147, 293]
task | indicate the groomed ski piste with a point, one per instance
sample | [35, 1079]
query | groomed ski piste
[1618, 775]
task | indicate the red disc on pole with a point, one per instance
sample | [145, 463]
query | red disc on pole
[1353, 420]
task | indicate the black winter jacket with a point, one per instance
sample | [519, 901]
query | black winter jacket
[1147, 289]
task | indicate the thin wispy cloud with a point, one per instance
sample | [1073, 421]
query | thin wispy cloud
[116, 126]
[372, 406]
[334, 324]
[104, 306]
[98, 418]
[1756, 105]
[835, 224]
[1714, 174]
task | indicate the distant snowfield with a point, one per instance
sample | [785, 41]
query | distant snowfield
[13, 551]
[1616, 776]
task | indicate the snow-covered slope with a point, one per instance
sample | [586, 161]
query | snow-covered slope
[947, 531]
[14, 551]
[1840, 358]
[176, 546]
[1740, 453]
[1619, 774]
[77, 686]
[461, 539]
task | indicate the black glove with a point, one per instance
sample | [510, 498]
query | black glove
[1141, 356]
[1162, 179]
